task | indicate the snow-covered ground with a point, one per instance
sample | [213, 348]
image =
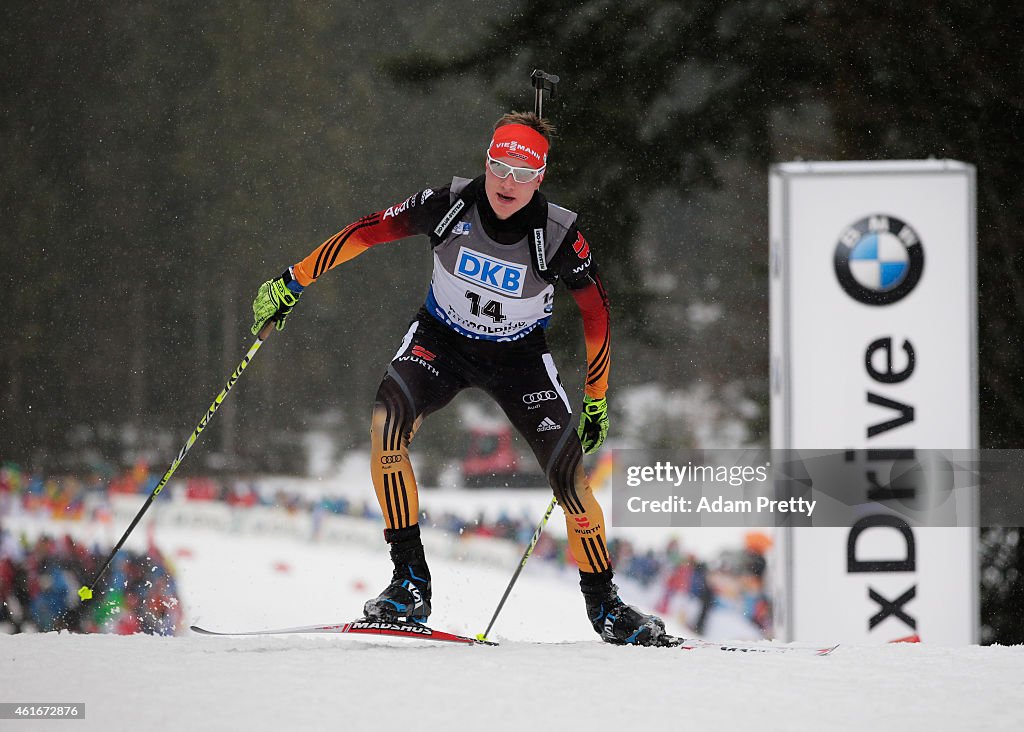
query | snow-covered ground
[550, 672]
[200, 683]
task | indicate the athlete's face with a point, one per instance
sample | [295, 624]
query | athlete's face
[505, 195]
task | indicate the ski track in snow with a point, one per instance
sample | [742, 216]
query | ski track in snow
[293, 682]
[550, 671]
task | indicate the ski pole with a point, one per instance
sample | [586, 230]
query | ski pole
[522, 563]
[86, 590]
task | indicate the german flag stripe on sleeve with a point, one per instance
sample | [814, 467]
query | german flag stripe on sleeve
[593, 304]
[352, 241]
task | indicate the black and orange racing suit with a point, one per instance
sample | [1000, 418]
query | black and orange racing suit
[481, 340]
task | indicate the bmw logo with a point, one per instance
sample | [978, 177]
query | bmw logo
[879, 260]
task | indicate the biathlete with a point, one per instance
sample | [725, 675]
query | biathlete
[499, 247]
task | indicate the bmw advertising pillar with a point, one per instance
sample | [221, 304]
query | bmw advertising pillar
[874, 355]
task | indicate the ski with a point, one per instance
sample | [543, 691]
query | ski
[363, 627]
[692, 644]
[422, 632]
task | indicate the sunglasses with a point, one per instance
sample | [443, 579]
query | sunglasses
[521, 175]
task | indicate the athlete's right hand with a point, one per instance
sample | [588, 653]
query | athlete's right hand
[274, 300]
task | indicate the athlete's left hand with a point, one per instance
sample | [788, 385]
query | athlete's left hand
[593, 423]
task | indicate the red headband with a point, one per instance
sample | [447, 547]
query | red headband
[520, 141]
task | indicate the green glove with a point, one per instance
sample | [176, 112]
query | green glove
[274, 300]
[593, 423]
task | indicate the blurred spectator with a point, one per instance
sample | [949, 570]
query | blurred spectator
[39, 582]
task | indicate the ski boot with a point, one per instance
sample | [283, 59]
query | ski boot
[615, 621]
[407, 598]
